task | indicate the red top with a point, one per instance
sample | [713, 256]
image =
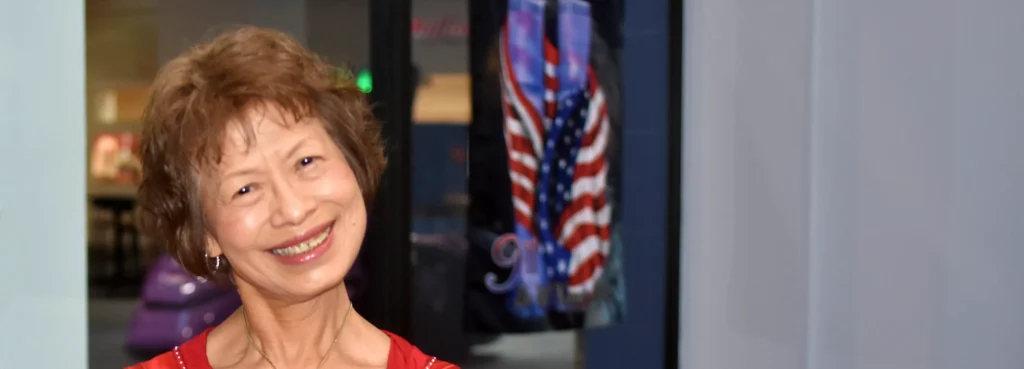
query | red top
[192, 355]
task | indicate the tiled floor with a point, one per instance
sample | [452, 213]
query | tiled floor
[109, 317]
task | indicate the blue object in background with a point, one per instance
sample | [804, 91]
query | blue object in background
[439, 178]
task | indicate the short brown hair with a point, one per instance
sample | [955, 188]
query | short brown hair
[195, 96]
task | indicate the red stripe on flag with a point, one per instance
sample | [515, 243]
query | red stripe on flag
[594, 83]
[534, 115]
[586, 230]
[584, 170]
[595, 202]
[595, 130]
[587, 269]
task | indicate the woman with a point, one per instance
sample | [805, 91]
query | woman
[259, 161]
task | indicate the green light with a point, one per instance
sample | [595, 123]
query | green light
[364, 81]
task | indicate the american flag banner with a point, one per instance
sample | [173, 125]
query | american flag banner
[556, 153]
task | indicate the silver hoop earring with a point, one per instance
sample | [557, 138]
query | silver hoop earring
[216, 262]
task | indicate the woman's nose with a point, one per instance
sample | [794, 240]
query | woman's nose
[292, 206]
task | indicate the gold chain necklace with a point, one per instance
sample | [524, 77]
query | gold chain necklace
[337, 334]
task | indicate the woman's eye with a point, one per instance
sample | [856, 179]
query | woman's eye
[306, 161]
[243, 191]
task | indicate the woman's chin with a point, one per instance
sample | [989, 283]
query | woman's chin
[311, 288]
[295, 286]
[321, 291]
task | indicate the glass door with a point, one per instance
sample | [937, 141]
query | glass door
[494, 288]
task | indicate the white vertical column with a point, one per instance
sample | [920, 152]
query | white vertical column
[982, 299]
[745, 234]
[912, 209]
[918, 212]
[42, 184]
[882, 175]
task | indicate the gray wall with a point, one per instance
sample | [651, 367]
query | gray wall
[42, 184]
[852, 185]
[337, 29]
[181, 23]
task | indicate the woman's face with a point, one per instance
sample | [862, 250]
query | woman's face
[284, 206]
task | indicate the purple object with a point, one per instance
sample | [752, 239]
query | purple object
[175, 306]
[573, 46]
[526, 48]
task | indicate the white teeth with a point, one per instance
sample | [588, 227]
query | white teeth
[303, 247]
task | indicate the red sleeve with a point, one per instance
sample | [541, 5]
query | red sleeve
[404, 355]
[164, 361]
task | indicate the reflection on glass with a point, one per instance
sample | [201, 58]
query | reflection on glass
[543, 175]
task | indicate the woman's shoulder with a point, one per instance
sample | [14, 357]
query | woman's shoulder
[403, 355]
[190, 355]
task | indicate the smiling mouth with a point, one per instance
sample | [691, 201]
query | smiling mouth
[304, 246]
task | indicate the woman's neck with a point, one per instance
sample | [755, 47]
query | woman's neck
[295, 332]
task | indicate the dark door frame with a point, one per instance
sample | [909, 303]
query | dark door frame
[674, 216]
[387, 250]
